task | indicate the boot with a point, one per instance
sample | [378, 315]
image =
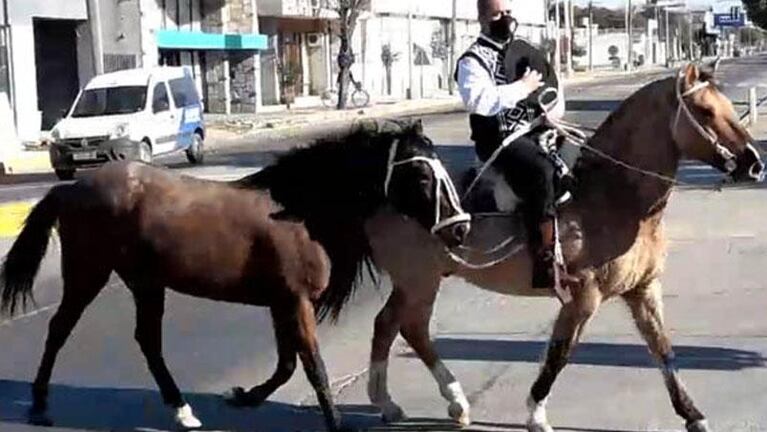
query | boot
[544, 260]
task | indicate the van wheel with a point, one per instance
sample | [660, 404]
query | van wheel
[65, 174]
[145, 152]
[195, 154]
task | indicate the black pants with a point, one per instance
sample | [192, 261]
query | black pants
[530, 173]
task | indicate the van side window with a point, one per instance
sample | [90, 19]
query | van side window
[160, 100]
[184, 92]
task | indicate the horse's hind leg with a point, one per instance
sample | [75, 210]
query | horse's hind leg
[150, 307]
[308, 351]
[285, 336]
[647, 308]
[568, 327]
[82, 283]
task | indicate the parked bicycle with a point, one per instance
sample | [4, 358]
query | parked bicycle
[359, 96]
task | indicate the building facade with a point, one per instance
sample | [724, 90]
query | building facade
[45, 59]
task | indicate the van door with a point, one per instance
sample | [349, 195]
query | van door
[164, 120]
[188, 109]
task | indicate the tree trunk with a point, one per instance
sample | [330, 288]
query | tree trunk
[348, 17]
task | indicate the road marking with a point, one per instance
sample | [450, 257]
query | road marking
[12, 216]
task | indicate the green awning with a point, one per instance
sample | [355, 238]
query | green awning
[170, 39]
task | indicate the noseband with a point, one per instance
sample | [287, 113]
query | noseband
[730, 160]
[442, 179]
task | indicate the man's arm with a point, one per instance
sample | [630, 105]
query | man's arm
[481, 95]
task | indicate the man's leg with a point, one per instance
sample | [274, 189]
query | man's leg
[531, 175]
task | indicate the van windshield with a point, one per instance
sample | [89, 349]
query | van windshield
[111, 101]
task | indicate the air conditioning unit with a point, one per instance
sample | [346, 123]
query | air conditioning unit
[314, 39]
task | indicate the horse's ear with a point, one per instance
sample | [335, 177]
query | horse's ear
[691, 75]
[418, 127]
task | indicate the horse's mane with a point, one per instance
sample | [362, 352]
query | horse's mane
[333, 186]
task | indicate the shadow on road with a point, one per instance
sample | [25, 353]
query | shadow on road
[599, 354]
[592, 105]
[112, 409]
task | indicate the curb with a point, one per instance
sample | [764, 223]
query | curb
[325, 127]
[26, 162]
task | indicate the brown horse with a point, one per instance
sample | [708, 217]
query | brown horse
[270, 239]
[612, 238]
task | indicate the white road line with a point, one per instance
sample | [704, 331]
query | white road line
[43, 309]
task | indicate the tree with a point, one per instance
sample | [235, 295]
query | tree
[757, 11]
[348, 12]
[388, 57]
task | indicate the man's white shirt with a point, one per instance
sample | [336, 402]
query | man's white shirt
[481, 95]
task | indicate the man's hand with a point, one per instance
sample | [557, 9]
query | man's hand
[532, 80]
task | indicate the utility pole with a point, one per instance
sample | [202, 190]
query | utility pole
[629, 44]
[591, 35]
[558, 39]
[94, 16]
[410, 51]
[689, 36]
[569, 44]
[451, 85]
[668, 41]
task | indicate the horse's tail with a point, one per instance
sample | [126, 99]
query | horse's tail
[22, 263]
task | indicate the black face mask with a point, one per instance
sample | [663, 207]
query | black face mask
[501, 29]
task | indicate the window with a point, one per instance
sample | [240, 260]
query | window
[184, 92]
[160, 100]
[111, 101]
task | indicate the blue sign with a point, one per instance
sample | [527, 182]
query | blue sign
[729, 20]
[210, 41]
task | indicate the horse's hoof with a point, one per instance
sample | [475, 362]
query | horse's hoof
[39, 417]
[459, 413]
[698, 426]
[240, 398]
[538, 427]
[186, 419]
[392, 413]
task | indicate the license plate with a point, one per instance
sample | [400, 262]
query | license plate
[84, 156]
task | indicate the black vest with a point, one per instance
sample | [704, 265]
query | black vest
[506, 66]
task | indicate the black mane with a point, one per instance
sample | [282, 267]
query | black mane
[333, 186]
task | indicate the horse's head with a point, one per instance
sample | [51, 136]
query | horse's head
[706, 127]
[418, 185]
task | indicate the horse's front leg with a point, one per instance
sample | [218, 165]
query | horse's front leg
[569, 325]
[647, 308]
[409, 310]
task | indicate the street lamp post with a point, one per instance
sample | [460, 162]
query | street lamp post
[629, 43]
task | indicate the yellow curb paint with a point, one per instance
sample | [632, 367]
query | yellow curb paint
[12, 216]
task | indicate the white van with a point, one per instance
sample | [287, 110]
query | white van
[132, 114]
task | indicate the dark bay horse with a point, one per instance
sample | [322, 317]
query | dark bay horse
[290, 237]
[612, 238]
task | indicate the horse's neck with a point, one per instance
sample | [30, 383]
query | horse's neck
[617, 204]
[639, 134]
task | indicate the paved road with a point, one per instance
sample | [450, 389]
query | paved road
[715, 301]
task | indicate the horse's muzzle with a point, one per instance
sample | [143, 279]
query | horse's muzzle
[455, 234]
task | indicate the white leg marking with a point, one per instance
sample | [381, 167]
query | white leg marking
[378, 393]
[186, 418]
[451, 390]
[537, 422]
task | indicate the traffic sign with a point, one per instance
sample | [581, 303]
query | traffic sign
[729, 20]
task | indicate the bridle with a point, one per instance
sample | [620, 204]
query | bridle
[442, 183]
[730, 160]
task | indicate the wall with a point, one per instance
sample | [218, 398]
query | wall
[121, 42]
[20, 14]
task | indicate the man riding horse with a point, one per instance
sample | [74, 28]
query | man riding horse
[501, 80]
